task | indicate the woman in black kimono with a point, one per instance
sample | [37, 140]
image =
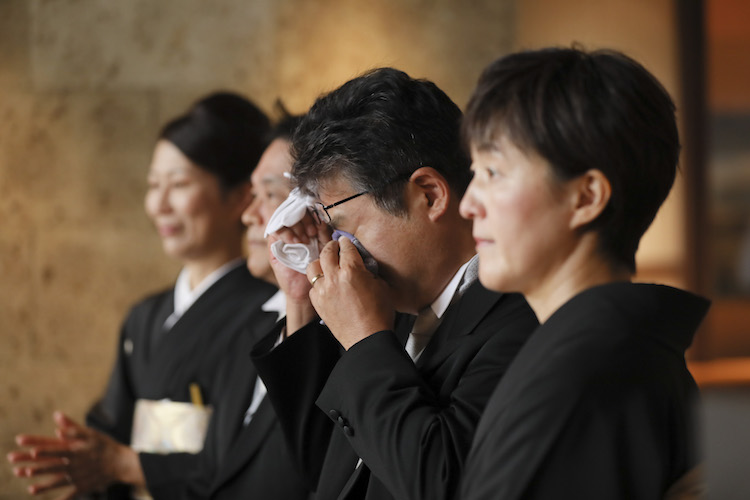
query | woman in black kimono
[573, 154]
[172, 342]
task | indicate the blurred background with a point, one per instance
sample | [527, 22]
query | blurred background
[86, 84]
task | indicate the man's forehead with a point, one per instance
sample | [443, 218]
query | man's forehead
[274, 179]
[275, 161]
[333, 189]
[269, 172]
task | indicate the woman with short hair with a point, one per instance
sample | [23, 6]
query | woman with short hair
[573, 154]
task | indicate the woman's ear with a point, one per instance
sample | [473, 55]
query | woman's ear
[432, 190]
[591, 192]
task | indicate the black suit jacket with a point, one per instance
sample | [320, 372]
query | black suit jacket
[154, 364]
[411, 425]
[598, 404]
[239, 461]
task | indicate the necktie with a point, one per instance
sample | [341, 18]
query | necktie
[421, 332]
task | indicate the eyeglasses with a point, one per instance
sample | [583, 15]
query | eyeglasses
[321, 211]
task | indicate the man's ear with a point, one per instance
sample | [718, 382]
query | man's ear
[432, 189]
[590, 194]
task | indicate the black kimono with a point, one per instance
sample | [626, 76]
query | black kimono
[411, 425]
[156, 364]
[598, 404]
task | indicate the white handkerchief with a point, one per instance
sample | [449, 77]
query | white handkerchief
[295, 255]
[290, 212]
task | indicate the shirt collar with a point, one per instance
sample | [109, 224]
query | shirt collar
[277, 304]
[440, 305]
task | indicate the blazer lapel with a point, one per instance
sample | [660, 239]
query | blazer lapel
[247, 443]
[240, 386]
[231, 415]
[460, 320]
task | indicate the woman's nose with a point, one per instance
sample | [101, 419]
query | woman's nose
[468, 207]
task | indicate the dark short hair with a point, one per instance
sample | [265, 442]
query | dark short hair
[586, 110]
[375, 131]
[223, 133]
[285, 124]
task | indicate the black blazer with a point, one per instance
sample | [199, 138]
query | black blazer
[155, 364]
[240, 461]
[411, 425]
[598, 404]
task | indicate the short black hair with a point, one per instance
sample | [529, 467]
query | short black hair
[586, 110]
[375, 131]
[223, 133]
[285, 125]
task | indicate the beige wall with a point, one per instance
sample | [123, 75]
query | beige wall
[85, 84]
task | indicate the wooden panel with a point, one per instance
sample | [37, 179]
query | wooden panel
[727, 328]
[721, 372]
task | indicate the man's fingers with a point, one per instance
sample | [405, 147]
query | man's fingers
[324, 233]
[287, 235]
[300, 233]
[313, 269]
[349, 255]
[295, 234]
[329, 258]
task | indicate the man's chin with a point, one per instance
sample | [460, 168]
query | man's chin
[258, 269]
[403, 304]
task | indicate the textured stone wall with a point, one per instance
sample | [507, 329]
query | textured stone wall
[84, 87]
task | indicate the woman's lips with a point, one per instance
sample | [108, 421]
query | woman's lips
[168, 230]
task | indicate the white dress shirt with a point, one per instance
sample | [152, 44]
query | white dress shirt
[277, 304]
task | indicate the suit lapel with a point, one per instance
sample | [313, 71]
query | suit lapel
[240, 384]
[460, 320]
[230, 415]
[238, 443]
[247, 443]
[403, 325]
